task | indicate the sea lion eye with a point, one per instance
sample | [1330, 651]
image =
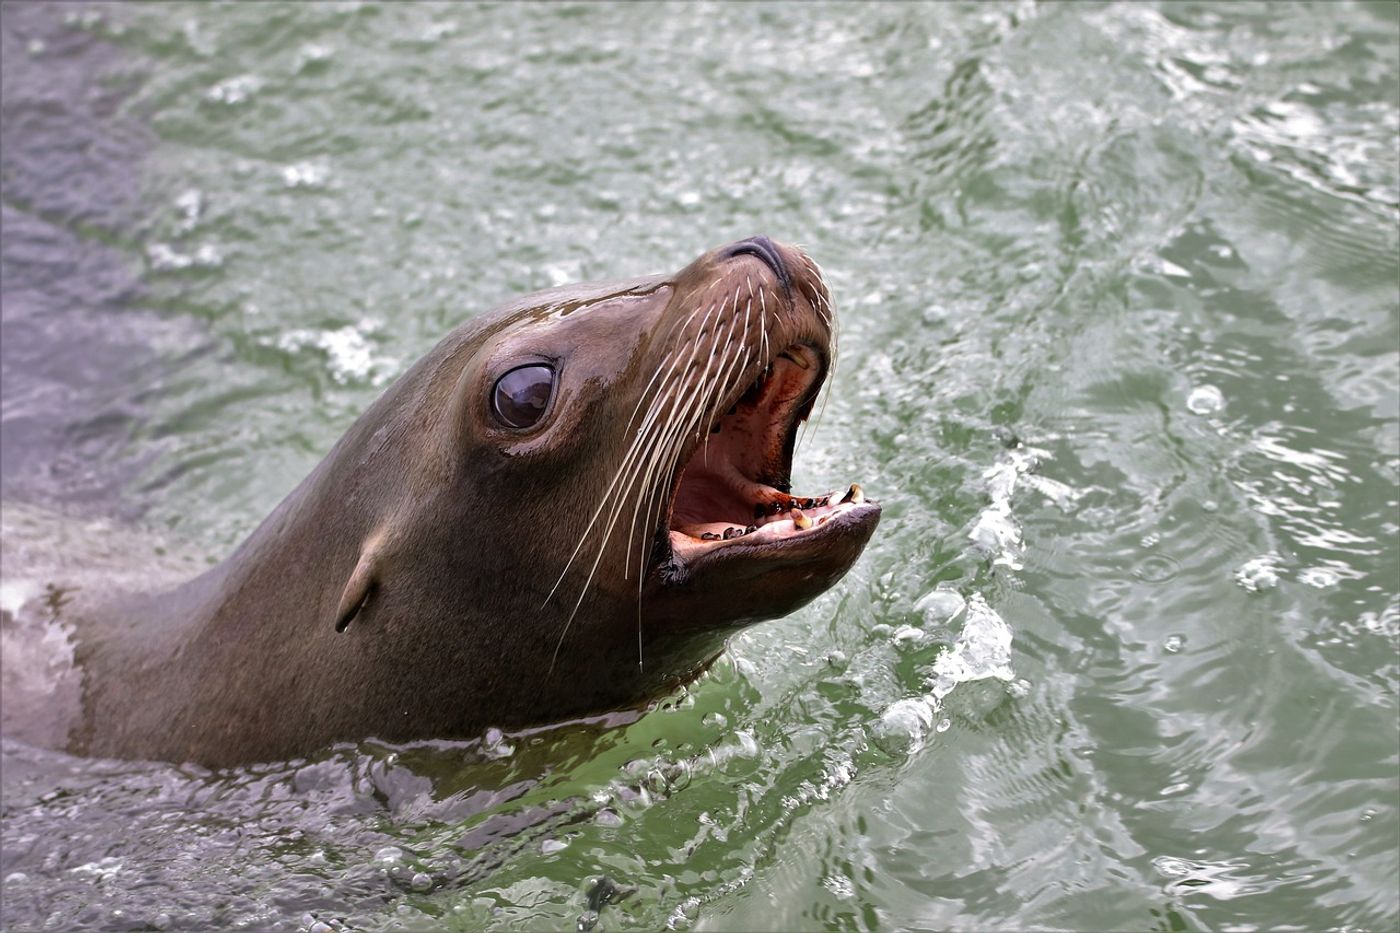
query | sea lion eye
[521, 395]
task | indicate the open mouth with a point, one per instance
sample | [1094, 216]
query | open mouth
[736, 483]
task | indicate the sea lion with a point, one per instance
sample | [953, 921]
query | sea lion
[562, 509]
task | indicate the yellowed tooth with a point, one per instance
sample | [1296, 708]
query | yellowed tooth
[857, 494]
[800, 519]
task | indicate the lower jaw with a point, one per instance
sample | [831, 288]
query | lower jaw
[786, 519]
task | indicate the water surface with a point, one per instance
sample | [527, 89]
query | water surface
[1120, 304]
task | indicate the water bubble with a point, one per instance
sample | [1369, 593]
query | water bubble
[943, 725]
[551, 846]
[1368, 814]
[940, 606]
[164, 258]
[1258, 574]
[313, 57]
[908, 635]
[389, 855]
[1156, 569]
[903, 726]
[714, 720]
[17, 877]
[234, 91]
[1173, 643]
[494, 744]
[1205, 400]
[1320, 577]
[307, 175]
[190, 204]
[421, 882]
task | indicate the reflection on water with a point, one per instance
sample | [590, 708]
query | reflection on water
[1120, 355]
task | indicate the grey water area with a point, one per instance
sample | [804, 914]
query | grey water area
[1119, 298]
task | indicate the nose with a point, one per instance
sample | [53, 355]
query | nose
[764, 249]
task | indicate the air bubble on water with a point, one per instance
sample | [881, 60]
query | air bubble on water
[1258, 574]
[190, 204]
[940, 606]
[714, 720]
[1320, 577]
[904, 725]
[389, 855]
[306, 175]
[36, 47]
[234, 91]
[1173, 643]
[165, 258]
[943, 725]
[311, 55]
[908, 635]
[1205, 400]
[421, 882]
[494, 744]
[16, 877]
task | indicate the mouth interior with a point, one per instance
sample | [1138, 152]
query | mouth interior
[736, 483]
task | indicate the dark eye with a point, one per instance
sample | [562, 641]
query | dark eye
[522, 395]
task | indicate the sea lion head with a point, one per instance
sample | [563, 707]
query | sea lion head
[578, 497]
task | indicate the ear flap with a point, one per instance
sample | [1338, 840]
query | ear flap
[357, 589]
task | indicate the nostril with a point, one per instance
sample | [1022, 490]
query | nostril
[764, 249]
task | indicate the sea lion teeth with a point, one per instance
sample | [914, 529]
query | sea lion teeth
[800, 519]
[750, 529]
[854, 495]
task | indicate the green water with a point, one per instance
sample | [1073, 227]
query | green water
[1119, 292]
